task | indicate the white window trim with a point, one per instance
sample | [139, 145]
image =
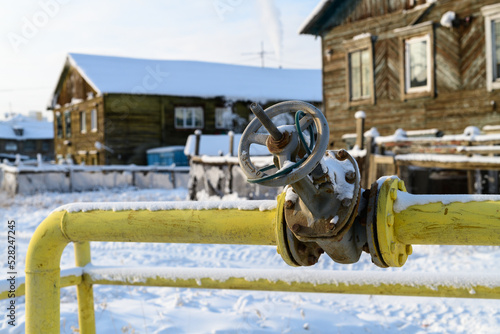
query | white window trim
[490, 13]
[58, 120]
[83, 122]
[93, 120]
[184, 126]
[11, 146]
[408, 33]
[222, 110]
[67, 114]
[426, 88]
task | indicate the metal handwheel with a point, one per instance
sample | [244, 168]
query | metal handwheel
[284, 142]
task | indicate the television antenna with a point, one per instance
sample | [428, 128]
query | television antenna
[262, 54]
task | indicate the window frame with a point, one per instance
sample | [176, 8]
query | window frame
[59, 125]
[29, 146]
[491, 14]
[184, 110]
[222, 110]
[67, 116]
[358, 45]
[408, 42]
[83, 121]
[418, 32]
[11, 146]
[93, 120]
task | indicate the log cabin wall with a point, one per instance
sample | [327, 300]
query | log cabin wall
[459, 98]
[125, 126]
[80, 143]
[136, 123]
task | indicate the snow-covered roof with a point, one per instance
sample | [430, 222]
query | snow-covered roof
[108, 74]
[165, 149]
[28, 128]
[328, 12]
[315, 15]
[218, 145]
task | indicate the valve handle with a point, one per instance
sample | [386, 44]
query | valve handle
[266, 121]
[286, 140]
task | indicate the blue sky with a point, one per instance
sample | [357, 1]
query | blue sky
[37, 35]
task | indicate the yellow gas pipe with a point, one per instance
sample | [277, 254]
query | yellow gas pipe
[227, 226]
[404, 219]
[470, 223]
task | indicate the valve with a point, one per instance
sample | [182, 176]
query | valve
[283, 143]
[322, 191]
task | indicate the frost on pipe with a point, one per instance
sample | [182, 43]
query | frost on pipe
[244, 205]
[462, 285]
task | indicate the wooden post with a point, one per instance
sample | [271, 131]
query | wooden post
[366, 168]
[492, 180]
[231, 143]
[471, 177]
[197, 133]
[360, 129]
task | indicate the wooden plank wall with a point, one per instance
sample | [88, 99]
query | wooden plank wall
[80, 141]
[74, 86]
[460, 97]
[137, 123]
[131, 124]
[357, 10]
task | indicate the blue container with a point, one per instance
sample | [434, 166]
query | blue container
[167, 156]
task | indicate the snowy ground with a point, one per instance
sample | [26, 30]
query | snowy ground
[122, 309]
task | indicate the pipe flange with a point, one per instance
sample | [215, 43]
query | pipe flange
[294, 252]
[371, 228]
[281, 235]
[392, 252]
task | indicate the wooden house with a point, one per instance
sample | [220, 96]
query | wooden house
[411, 64]
[27, 137]
[111, 110]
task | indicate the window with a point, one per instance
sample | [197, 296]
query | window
[45, 146]
[492, 34]
[359, 63]
[59, 126]
[188, 117]
[416, 71]
[11, 146]
[29, 146]
[359, 71]
[18, 131]
[223, 118]
[417, 67]
[67, 123]
[83, 122]
[93, 120]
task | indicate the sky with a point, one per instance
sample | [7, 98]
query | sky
[36, 36]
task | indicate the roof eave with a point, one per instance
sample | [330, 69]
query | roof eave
[313, 25]
[70, 62]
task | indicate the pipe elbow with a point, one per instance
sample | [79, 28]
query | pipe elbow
[47, 244]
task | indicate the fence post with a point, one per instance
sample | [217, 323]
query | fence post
[360, 128]
[231, 143]
[197, 133]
